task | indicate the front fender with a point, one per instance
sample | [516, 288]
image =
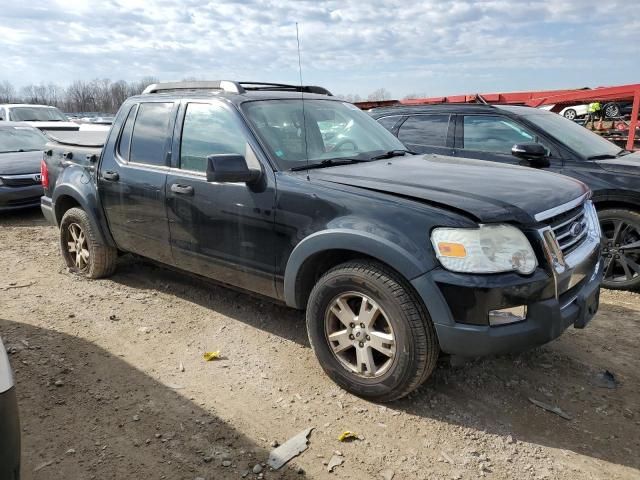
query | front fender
[343, 239]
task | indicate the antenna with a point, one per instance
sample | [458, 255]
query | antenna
[304, 116]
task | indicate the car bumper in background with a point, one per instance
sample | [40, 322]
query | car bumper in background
[46, 205]
[14, 198]
[9, 436]
[459, 305]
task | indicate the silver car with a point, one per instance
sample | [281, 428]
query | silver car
[9, 422]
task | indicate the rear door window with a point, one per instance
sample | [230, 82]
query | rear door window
[425, 130]
[125, 137]
[150, 133]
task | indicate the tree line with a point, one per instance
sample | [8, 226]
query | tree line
[100, 95]
[105, 96]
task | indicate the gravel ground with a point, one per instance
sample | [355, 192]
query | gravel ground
[112, 384]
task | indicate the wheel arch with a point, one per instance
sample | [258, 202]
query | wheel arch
[610, 200]
[67, 197]
[321, 251]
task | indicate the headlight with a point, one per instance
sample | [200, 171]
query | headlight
[593, 223]
[487, 249]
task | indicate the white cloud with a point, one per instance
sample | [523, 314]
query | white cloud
[443, 46]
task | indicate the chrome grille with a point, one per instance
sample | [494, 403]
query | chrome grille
[570, 229]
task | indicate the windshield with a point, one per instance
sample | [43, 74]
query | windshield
[36, 114]
[21, 139]
[582, 141]
[329, 130]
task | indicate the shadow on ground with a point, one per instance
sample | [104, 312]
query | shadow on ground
[109, 420]
[489, 395]
[28, 217]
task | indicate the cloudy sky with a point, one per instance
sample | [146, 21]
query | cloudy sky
[432, 47]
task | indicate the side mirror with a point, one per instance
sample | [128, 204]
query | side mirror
[534, 154]
[230, 168]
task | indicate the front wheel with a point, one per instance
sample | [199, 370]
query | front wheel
[620, 248]
[81, 251]
[369, 331]
[570, 114]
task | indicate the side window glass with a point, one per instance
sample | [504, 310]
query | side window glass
[494, 134]
[427, 130]
[210, 129]
[389, 122]
[125, 137]
[150, 133]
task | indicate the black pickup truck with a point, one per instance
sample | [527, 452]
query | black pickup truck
[291, 193]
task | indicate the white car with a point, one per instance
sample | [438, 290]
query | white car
[43, 117]
[572, 112]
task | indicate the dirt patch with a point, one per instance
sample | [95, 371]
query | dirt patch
[103, 395]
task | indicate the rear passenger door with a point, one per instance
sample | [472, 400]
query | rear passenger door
[430, 133]
[224, 231]
[132, 181]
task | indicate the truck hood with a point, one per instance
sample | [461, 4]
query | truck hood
[629, 164]
[17, 163]
[487, 191]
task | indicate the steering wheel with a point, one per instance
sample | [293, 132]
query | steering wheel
[346, 145]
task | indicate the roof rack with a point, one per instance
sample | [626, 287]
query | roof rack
[234, 87]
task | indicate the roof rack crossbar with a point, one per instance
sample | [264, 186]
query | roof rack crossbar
[234, 87]
[285, 87]
[225, 85]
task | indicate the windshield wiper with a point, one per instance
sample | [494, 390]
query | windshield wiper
[392, 153]
[606, 156]
[329, 162]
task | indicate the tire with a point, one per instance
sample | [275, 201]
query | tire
[620, 234]
[611, 110]
[409, 359]
[570, 113]
[99, 260]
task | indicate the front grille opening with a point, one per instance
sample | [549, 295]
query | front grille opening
[570, 229]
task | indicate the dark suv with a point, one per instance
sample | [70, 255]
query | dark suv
[291, 193]
[544, 140]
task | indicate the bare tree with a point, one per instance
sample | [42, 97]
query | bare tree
[7, 92]
[379, 94]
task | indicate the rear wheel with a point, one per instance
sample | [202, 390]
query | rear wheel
[81, 251]
[620, 248]
[570, 113]
[369, 331]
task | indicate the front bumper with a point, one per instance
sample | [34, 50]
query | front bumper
[9, 435]
[459, 305]
[15, 198]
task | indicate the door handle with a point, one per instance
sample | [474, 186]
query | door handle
[182, 189]
[112, 176]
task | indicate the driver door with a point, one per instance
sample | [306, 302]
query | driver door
[224, 231]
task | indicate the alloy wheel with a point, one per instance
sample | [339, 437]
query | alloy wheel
[360, 335]
[570, 114]
[621, 250]
[612, 111]
[77, 246]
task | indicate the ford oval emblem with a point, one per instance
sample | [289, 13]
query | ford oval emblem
[575, 229]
